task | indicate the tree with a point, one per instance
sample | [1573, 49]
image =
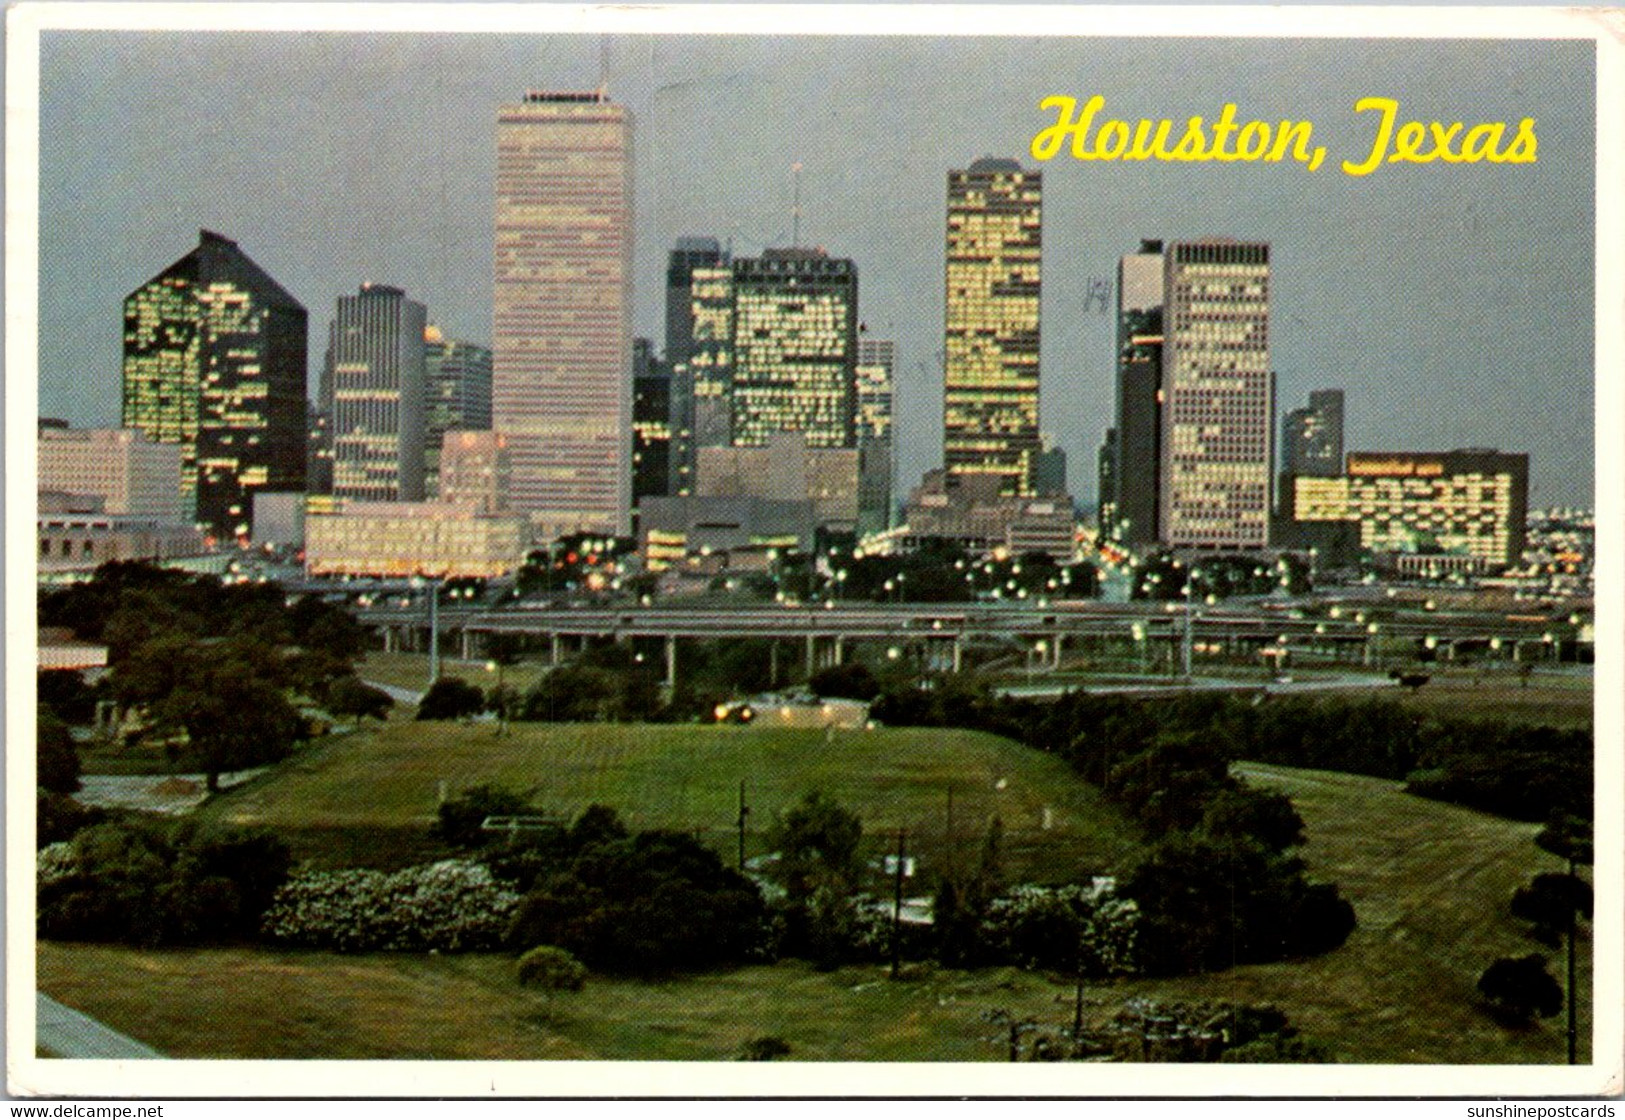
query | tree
[1549, 901]
[352, 696]
[1519, 988]
[58, 762]
[815, 835]
[229, 720]
[451, 698]
[853, 681]
[1266, 816]
[65, 692]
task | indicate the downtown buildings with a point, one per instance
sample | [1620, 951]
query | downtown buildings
[993, 286]
[1189, 461]
[214, 360]
[373, 391]
[562, 320]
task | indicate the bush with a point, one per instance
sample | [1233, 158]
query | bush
[149, 885]
[654, 903]
[1549, 900]
[1519, 988]
[764, 1049]
[351, 696]
[1073, 929]
[459, 818]
[58, 761]
[453, 905]
[451, 698]
[848, 682]
[551, 969]
[66, 694]
[59, 817]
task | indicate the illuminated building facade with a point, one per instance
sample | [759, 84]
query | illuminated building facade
[214, 360]
[1470, 503]
[124, 469]
[457, 380]
[562, 325]
[994, 248]
[710, 365]
[876, 372]
[375, 374]
[787, 468]
[691, 253]
[1217, 406]
[448, 540]
[795, 348]
[475, 469]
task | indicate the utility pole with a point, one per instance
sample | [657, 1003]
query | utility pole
[897, 909]
[744, 812]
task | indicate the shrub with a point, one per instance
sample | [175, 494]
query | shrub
[459, 818]
[1074, 929]
[351, 696]
[551, 969]
[1549, 900]
[58, 769]
[150, 885]
[452, 905]
[654, 903]
[764, 1049]
[451, 698]
[1519, 988]
[59, 817]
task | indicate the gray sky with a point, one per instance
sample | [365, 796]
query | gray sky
[1451, 301]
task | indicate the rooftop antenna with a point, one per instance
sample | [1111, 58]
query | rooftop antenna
[795, 209]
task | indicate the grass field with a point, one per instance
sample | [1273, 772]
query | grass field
[1429, 882]
[381, 786]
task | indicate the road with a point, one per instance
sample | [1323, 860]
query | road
[1040, 690]
[66, 1033]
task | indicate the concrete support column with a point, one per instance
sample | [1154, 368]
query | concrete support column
[959, 652]
[671, 660]
[812, 654]
[1055, 646]
[467, 650]
[555, 651]
[389, 639]
[840, 649]
[773, 664]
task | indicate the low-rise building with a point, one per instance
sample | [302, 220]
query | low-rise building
[969, 510]
[1470, 503]
[703, 534]
[130, 472]
[77, 534]
[396, 539]
[786, 469]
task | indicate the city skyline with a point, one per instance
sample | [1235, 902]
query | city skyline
[1405, 340]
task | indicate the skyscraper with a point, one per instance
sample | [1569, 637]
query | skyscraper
[711, 361]
[795, 348]
[457, 380]
[1218, 396]
[651, 423]
[682, 309]
[1129, 487]
[1312, 437]
[877, 365]
[562, 327]
[994, 246]
[214, 360]
[375, 373]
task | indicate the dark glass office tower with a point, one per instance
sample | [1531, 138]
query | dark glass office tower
[214, 360]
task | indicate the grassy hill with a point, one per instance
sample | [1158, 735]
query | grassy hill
[1430, 883]
[372, 797]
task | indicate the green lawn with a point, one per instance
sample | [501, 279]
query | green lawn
[373, 789]
[1429, 881]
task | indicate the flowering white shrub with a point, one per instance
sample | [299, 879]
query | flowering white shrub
[1072, 928]
[450, 905]
[54, 863]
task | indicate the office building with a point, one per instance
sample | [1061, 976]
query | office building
[374, 374]
[994, 249]
[795, 348]
[877, 376]
[1049, 469]
[708, 535]
[690, 254]
[562, 325]
[1131, 462]
[214, 361]
[1312, 437]
[1469, 504]
[787, 468]
[1217, 404]
[709, 376]
[76, 533]
[127, 472]
[476, 470]
[973, 512]
[457, 391]
[651, 423]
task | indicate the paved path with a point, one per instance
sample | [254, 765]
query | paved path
[397, 694]
[67, 1033]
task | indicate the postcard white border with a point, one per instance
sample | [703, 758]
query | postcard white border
[181, 1079]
